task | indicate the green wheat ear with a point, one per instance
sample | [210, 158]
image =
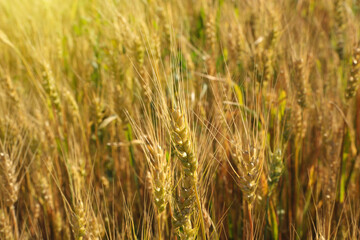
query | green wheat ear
[339, 27]
[276, 168]
[353, 81]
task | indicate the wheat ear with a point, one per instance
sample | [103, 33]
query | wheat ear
[10, 187]
[188, 197]
[353, 81]
[5, 228]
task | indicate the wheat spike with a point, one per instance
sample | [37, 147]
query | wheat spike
[211, 33]
[186, 153]
[276, 168]
[80, 221]
[10, 90]
[10, 187]
[160, 177]
[353, 81]
[5, 227]
[300, 83]
[339, 27]
[50, 88]
[248, 163]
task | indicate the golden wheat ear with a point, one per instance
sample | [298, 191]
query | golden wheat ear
[10, 90]
[80, 221]
[186, 200]
[5, 227]
[249, 170]
[10, 187]
[159, 177]
[183, 143]
[300, 83]
[50, 88]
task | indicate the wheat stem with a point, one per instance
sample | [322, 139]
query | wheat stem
[13, 215]
[249, 207]
[201, 215]
[159, 225]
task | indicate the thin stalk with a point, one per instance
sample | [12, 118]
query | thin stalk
[201, 215]
[296, 169]
[342, 167]
[159, 225]
[13, 215]
[274, 220]
[250, 221]
[352, 168]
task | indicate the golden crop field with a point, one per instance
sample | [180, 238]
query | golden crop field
[179, 119]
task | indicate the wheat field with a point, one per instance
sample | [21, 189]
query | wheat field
[179, 119]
